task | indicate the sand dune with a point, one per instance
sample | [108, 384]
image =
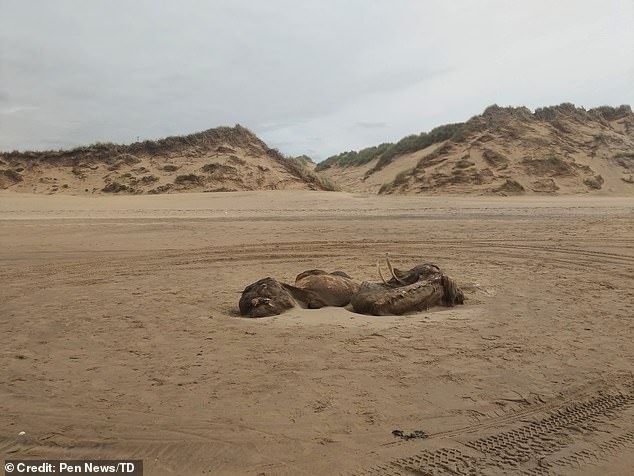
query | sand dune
[216, 160]
[504, 151]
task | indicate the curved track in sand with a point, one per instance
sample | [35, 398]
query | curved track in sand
[122, 341]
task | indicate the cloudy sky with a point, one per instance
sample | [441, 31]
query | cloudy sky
[308, 77]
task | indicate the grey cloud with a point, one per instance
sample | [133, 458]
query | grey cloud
[352, 73]
[16, 109]
[371, 125]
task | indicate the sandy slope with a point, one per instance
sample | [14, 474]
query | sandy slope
[220, 159]
[120, 337]
[357, 178]
[509, 151]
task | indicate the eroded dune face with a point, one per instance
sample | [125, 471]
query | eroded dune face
[504, 151]
[417, 289]
[223, 159]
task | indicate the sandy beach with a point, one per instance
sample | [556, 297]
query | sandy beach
[121, 337]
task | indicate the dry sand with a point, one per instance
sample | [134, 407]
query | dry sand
[509, 151]
[120, 339]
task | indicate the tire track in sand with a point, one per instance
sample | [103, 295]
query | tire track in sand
[586, 427]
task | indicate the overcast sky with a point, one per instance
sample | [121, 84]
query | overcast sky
[308, 77]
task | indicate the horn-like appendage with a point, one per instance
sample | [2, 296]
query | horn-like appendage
[378, 268]
[389, 265]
